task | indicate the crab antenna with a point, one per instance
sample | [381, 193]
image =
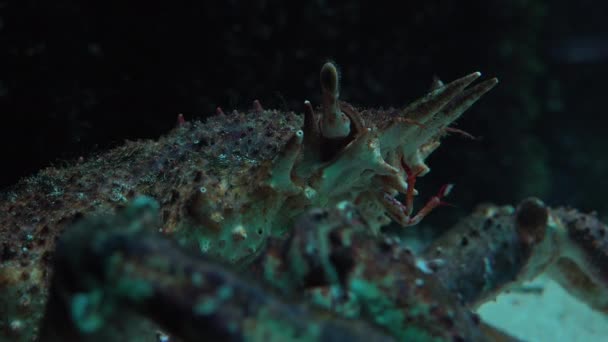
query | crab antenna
[334, 123]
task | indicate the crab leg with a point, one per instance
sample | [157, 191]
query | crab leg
[402, 213]
[411, 182]
[108, 280]
[399, 212]
[433, 203]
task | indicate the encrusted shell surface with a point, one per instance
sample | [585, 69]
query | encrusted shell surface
[229, 182]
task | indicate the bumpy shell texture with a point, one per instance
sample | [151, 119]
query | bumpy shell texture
[227, 184]
[231, 181]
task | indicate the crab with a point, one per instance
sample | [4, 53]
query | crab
[227, 188]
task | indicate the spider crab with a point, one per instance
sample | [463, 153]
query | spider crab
[231, 188]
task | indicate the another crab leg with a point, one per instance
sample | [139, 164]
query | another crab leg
[331, 257]
[493, 249]
[497, 248]
[110, 273]
[582, 264]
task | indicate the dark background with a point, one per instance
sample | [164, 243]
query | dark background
[78, 77]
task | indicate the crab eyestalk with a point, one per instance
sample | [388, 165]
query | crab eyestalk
[334, 124]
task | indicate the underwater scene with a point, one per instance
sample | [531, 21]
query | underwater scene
[270, 170]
